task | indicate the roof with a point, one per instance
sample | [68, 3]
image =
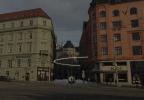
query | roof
[94, 2]
[68, 44]
[38, 12]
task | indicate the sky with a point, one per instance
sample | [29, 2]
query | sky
[67, 15]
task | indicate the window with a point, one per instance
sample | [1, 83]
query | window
[10, 46]
[29, 62]
[3, 26]
[20, 36]
[20, 47]
[44, 36]
[43, 45]
[104, 51]
[133, 11]
[31, 22]
[103, 25]
[136, 36]
[29, 47]
[103, 14]
[117, 24]
[1, 37]
[117, 37]
[137, 50]
[7, 73]
[30, 35]
[118, 50]
[18, 62]
[12, 25]
[135, 23]
[116, 13]
[44, 23]
[103, 38]
[108, 77]
[1, 49]
[0, 63]
[10, 36]
[22, 24]
[10, 63]
[43, 63]
[107, 63]
[121, 63]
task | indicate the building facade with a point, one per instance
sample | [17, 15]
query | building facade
[117, 32]
[27, 44]
[65, 71]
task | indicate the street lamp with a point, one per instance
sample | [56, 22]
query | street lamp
[116, 68]
[83, 75]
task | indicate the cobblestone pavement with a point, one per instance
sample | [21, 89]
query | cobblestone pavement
[50, 91]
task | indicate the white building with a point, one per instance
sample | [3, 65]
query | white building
[26, 45]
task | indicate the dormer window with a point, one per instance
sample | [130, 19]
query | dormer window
[133, 11]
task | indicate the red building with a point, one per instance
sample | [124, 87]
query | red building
[113, 37]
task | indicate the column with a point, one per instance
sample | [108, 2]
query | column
[129, 73]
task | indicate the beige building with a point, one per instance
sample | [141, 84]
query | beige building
[26, 45]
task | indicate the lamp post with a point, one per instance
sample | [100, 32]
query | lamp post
[83, 76]
[116, 73]
[116, 80]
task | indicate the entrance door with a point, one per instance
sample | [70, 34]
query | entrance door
[42, 74]
[27, 76]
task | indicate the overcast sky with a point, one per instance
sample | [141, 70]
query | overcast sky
[67, 15]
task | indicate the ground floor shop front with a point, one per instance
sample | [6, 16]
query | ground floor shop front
[120, 72]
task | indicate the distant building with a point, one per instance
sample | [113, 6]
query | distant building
[27, 44]
[116, 32]
[61, 71]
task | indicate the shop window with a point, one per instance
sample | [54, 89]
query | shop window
[108, 77]
[121, 63]
[122, 77]
[107, 63]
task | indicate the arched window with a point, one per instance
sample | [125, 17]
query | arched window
[103, 14]
[133, 11]
[116, 13]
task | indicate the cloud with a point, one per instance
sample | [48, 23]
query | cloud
[68, 15]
